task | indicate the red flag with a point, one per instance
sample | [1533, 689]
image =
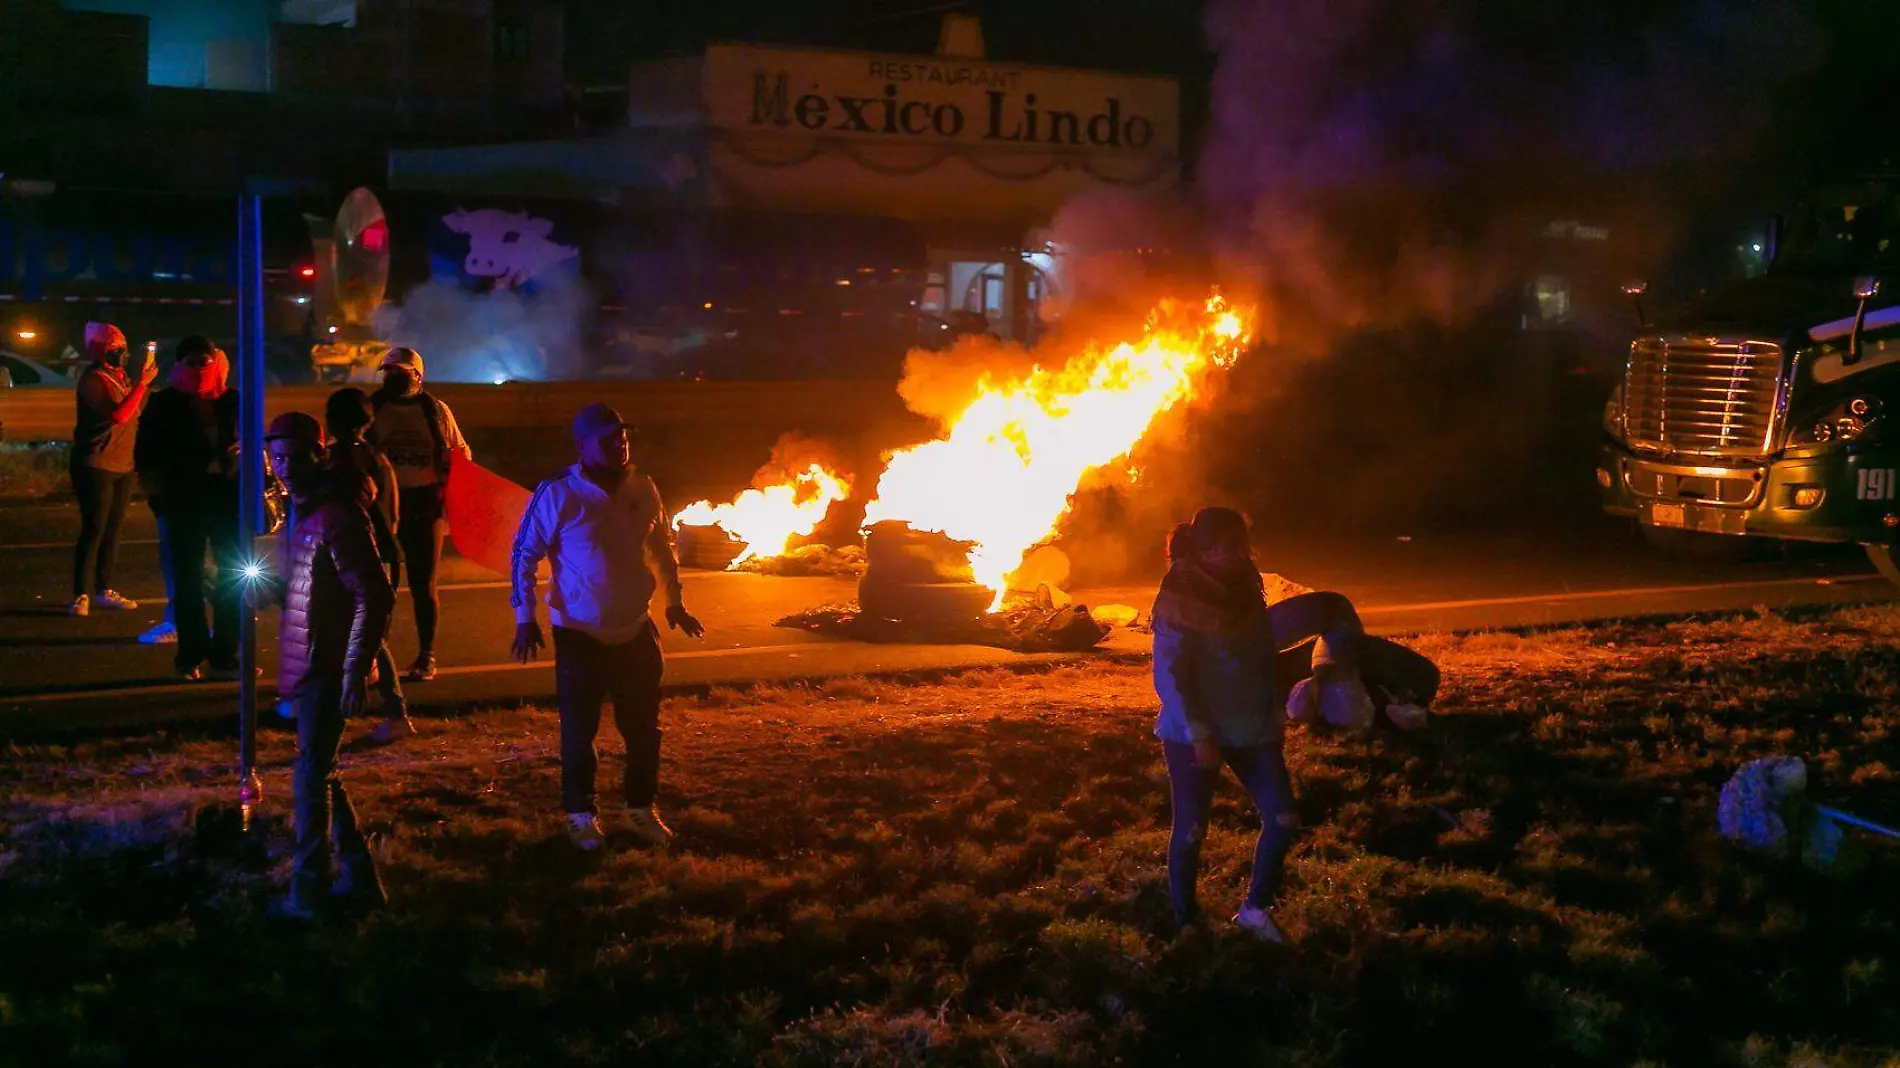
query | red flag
[484, 511]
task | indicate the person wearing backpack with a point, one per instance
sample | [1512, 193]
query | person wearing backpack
[416, 432]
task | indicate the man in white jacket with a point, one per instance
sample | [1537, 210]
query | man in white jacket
[603, 531]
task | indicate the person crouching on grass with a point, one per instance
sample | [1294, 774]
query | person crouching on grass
[1215, 643]
[603, 530]
[336, 603]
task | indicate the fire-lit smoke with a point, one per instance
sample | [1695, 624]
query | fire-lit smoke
[790, 496]
[499, 336]
[1017, 446]
[1379, 162]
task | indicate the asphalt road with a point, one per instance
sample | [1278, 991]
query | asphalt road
[57, 671]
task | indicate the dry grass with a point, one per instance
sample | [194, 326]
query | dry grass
[32, 470]
[967, 872]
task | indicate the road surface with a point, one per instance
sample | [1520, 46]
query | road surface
[61, 672]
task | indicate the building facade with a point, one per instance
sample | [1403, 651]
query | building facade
[978, 154]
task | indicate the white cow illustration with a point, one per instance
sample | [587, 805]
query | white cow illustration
[510, 245]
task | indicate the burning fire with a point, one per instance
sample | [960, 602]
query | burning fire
[767, 518]
[1004, 472]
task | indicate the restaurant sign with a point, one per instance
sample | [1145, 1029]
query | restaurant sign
[937, 98]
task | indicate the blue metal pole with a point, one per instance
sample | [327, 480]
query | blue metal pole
[250, 383]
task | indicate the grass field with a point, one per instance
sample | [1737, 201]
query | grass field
[968, 872]
[31, 470]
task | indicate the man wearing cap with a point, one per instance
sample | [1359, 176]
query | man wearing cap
[336, 600]
[104, 431]
[418, 434]
[603, 530]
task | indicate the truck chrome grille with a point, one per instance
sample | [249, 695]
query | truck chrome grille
[1702, 396]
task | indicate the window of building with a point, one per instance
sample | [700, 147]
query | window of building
[512, 40]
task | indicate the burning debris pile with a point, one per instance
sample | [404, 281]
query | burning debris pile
[1002, 475]
[958, 522]
[789, 498]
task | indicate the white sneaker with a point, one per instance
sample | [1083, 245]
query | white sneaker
[1260, 923]
[114, 601]
[1406, 717]
[1344, 702]
[584, 831]
[647, 826]
[393, 729]
[82, 605]
[162, 633]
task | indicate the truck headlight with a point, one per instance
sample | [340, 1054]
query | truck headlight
[1851, 420]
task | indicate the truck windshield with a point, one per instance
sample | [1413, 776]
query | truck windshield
[1848, 229]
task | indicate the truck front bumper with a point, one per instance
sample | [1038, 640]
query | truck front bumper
[1837, 496]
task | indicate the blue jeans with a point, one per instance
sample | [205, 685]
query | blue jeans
[1261, 769]
[165, 568]
[325, 819]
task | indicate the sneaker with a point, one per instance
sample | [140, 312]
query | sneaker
[393, 729]
[1406, 717]
[162, 633]
[303, 902]
[112, 600]
[359, 888]
[194, 673]
[1259, 922]
[583, 829]
[1299, 702]
[1344, 702]
[647, 826]
[423, 670]
[82, 605]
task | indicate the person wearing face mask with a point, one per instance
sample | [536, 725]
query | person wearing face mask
[418, 435]
[187, 456]
[603, 530]
[105, 429]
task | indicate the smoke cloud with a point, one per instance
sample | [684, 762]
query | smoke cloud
[1375, 162]
[498, 336]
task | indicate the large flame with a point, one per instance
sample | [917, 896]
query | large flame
[767, 518]
[1003, 474]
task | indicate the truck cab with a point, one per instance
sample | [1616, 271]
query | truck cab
[1771, 408]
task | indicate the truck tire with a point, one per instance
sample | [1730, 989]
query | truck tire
[1695, 545]
[1881, 556]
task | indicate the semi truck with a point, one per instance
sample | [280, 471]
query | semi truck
[1770, 408]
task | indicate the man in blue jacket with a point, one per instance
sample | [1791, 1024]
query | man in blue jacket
[603, 530]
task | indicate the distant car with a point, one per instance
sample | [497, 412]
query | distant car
[17, 371]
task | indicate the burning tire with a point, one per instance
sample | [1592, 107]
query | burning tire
[915, 576]
[707, 548]
[922, 601]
